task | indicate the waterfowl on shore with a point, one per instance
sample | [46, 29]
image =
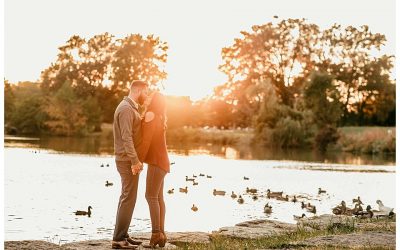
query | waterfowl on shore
[233, 195]
[240, 200]
[246, 178]
[311, 208]
[383, 208]
[267, 208]
[294, 199]
[251, 190]
[218, 192]
[171, 191]
[209, 176]
[194, 208]
[88, 213]
[201, 174]
[303, 205]
[358, 200]
[320, 191]
[281, 198]
[365, 214]
[183, 190]
[189, 179]
[108, 184]
[299, 217]
[340, 209]
[273, 194]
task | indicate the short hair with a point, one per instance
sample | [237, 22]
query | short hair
[138, 83]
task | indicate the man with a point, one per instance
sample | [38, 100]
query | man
[127, 135]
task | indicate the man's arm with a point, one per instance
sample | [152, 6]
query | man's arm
[125, 120]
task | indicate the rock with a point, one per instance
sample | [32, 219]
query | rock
[354, 240]
[30, 244]
[256, 229]
[323, 221]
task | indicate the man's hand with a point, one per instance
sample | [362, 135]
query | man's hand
[137, 168]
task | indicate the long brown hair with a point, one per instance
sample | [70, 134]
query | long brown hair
[157, 105]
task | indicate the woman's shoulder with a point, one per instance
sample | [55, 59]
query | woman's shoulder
[149, 116]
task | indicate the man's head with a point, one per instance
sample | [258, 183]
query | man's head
[138, 91]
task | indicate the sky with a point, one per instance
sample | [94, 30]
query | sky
[196, 31]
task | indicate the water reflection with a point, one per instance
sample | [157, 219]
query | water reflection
[103, 145]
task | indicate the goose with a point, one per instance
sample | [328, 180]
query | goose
[294, 199]
[171, 191]
[195, 183]
[358, 200]
[218, 192]
[108, 184]
[384, 209]
[209, 176]
[251, 190]
[280, 198]
[246, 178]
[88, 213]
[240, 200]
[189, 179]
[183, 190]
[194, 208]
[267, 208]
[273, 194]
[320, 191]
[299, 217]
[233, 195]
[201, 174]
[255, 197]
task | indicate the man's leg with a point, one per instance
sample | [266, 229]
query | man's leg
[127, 200]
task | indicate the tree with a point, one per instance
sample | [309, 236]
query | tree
[9, 101]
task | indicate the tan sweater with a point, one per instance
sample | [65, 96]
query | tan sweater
[127, 131]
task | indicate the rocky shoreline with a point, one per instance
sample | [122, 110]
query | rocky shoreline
[368, 233]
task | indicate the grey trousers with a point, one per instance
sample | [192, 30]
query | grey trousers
[127, 200]
[155, 198]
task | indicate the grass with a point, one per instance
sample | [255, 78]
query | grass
[292, 239]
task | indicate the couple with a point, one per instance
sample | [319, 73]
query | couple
[137, 140]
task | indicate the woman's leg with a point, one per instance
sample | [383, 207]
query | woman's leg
[155, 177]
[162, 205]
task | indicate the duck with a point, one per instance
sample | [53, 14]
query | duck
[267, 208]
[358, 200]
[320, 191]
[365, 214]
[194, 208]
[240, 200]
[273, 194]
[88, 213]
[171, 191]
[172, 163]
[310, 208]
[384, 209]
[108, 165]
[194, 176]
[102, 165]
[281, 198]
[201, 174]
[218, 192]
[342, 209]
[209, 176]
[246, 178]
[189, 179]
[195, 183]
[294, 199]
[303, 205]
[108, 184]
[183, 190]
[299, 217]
[255, 197]
[251, 190]
[233, 195]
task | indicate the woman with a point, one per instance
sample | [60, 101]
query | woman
[153, 151]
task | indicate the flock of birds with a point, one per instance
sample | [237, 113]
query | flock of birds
[340, 209]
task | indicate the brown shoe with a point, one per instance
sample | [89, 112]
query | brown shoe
[156, 239]
[133, 242]
[124, 244]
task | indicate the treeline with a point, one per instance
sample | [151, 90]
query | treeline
[291, 81]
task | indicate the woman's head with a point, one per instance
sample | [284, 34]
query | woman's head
[157, 104]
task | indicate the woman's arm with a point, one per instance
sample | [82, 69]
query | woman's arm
[148, 127]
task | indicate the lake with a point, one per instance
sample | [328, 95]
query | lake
[47, 179]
